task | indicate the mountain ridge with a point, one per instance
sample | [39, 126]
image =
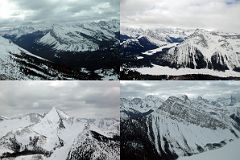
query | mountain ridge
[180, 49]
[53, 136]
[172, 130]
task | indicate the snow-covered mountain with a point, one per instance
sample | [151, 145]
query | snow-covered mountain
[80, 37]
[176, 127]
[72, 37]
[17, 63]
[199, 50]
[204, 49]
[141, 105]
[59, 136]
[87, 50]
[159, 36]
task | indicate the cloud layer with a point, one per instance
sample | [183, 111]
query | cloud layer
[54, 11]
[79, 99]
[193, 89]
[220, 15]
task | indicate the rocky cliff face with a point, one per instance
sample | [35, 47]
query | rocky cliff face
[178, 127]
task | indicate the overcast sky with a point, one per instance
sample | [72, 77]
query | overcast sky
[14, 12]
[193, 89]
[86, 99]
[220, 15]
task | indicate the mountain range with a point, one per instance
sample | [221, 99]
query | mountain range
[180, 52]
[78, 50]
[153, 128]
[56, 135]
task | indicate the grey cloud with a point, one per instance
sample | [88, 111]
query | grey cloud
[212, 15]
[164, 89]
[81, 99]
[55, 11]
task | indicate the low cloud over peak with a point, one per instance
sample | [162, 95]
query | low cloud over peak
[79, 99]
[219, 15]
[193, 89]
[53, 11]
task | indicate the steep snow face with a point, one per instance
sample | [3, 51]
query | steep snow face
[52, 122]
[17, 63]
[80, 37]
[68, 39]
[182, 137]
[206, 49]
[54, 135]
[179, 52]
[72, 37]
[180, 123]
[7, 47]
[179, 126]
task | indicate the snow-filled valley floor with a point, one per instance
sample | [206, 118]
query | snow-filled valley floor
[179, 53]
[82, 51]
[162, 70]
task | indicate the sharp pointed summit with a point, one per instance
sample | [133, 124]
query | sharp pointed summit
[55, 114]
[59, 136]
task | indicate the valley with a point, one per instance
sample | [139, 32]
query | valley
[178, 52]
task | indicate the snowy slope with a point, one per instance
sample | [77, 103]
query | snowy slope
[80, 37]
[72, 37]
[182, 52]
[229, 151]
[55, 135]
[19, 31]
[17, 63]
[12, 124]
[178, 127]
[204, 49]
[78, 50]
[159, 36]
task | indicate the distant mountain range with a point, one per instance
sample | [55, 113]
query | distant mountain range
[179, 52]
[56, 135]
[153, 128]
[88, 50]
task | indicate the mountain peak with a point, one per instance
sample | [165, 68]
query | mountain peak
[136, 100]
[55, 114]
[185, 97]
[199, 98]
[53, 121]
[153, 98]
[198, 30]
